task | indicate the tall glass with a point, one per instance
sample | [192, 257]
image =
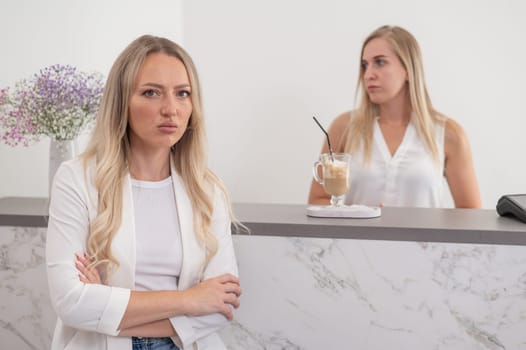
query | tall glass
[335, 175]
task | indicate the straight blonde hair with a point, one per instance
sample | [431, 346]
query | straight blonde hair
[359, 132]
[110, 148]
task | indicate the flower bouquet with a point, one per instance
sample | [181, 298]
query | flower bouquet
[59, 101]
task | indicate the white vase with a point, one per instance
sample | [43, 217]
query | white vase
[59, 151]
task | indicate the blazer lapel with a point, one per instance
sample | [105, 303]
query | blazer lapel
[193, 254]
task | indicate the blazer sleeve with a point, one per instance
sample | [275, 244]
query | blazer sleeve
[193, 329]
[89, 307]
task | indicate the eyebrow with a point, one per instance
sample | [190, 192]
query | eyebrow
[159, 86]
[376, 57]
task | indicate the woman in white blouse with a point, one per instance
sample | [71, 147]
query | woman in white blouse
[139, 250]
[401, 147]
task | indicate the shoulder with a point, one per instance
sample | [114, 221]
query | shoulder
[454, 133]
[341, 121]
[339, 125]
[221, 200]
[70, 168]
[75, 175]
[455, 139]
[338, 129]
[73, 189]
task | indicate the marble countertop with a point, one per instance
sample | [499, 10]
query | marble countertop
[476, 226]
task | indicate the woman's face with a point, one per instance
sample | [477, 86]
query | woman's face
[160, 105]
[384, 76]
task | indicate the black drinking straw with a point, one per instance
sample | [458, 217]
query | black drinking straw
[326, 134]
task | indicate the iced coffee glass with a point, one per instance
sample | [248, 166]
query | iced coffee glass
[334, 175]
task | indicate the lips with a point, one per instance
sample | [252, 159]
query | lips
[373, 87]
[168, 127]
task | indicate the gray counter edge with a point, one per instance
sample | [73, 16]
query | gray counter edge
[472, 226]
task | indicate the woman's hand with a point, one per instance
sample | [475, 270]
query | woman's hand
[86, 274]
[217, 294]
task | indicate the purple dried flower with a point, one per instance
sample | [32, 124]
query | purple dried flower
[59, 102]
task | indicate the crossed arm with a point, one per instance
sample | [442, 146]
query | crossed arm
[147, 313]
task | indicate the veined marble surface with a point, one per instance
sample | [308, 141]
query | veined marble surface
[316, 293]
[26, 316]
[301, 293]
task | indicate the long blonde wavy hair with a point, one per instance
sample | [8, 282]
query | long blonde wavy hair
[359, 133]
[110, 148]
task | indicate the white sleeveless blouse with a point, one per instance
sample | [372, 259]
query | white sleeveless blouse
[409, 178]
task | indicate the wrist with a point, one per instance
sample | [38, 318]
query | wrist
[182, 302]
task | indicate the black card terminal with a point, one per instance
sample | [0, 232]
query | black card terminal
[513, 205]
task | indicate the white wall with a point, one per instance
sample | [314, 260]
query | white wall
[86, 34]
[268, 66]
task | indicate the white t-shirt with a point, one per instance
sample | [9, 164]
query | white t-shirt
[409, 178]
[159, 247]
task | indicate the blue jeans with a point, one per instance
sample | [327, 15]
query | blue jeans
[153, 344]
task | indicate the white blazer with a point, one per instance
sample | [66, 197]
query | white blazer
[89, 314]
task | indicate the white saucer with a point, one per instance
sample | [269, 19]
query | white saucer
[356, 211]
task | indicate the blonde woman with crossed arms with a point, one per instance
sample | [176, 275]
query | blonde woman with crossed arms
[139, 251]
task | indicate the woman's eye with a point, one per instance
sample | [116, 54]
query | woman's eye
[150, 93]
[183, 93]
[380, 62]
[364, 66]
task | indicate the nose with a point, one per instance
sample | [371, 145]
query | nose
[368, 74]
[169, 106]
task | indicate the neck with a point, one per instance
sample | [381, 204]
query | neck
[396, 111]
[149, 166]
